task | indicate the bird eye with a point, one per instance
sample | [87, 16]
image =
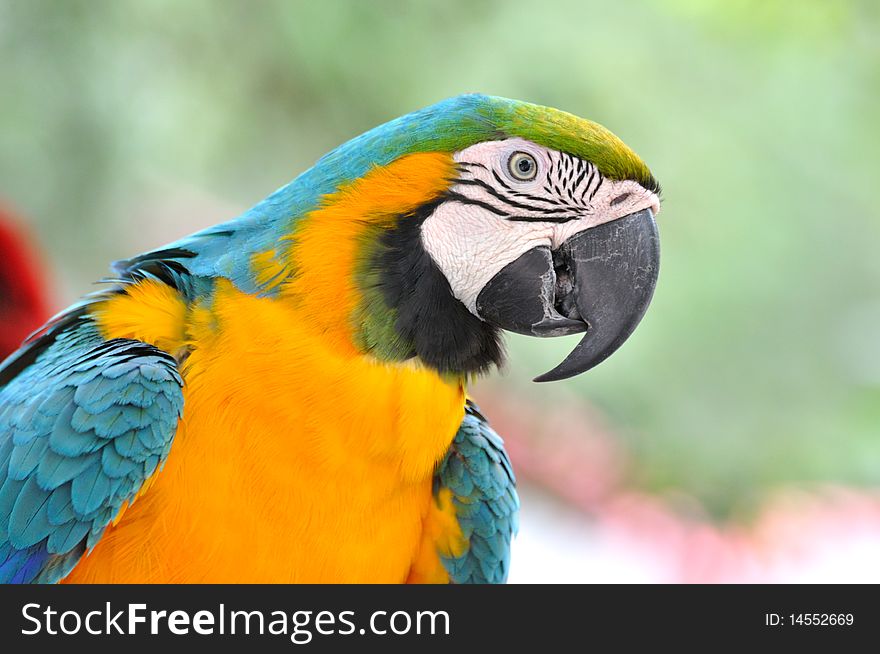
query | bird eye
[522, 166]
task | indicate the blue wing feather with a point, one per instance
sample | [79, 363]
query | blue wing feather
[478, 473]
[82, 426]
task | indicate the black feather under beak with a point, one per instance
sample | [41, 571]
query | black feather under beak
[600, 281]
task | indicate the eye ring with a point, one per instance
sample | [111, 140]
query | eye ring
[522, 166]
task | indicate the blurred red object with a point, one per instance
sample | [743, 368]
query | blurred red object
[23, 302]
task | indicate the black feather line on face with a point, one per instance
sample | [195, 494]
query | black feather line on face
[598, 186]
[583, 171]
[519, 194]
[501, 181]
[509, 201]
[462, 199]
[442, 332]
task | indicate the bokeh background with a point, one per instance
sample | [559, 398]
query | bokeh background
[736, 436]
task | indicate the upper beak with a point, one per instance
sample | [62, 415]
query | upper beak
[600, 281]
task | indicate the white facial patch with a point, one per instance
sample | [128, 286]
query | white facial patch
[493, 217]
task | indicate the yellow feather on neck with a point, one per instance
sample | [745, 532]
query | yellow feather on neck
[324, 247]
[148, 311]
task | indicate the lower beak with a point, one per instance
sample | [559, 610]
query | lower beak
[600, 281]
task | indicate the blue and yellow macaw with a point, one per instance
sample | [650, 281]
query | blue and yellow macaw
[282, 397]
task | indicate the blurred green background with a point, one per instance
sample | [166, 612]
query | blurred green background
[124, 125]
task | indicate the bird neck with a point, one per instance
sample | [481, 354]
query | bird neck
[357, 272]
[407, 308]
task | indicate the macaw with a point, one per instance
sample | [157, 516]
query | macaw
[282, 397]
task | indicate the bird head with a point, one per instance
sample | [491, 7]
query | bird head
[425, 237]
[541, 241]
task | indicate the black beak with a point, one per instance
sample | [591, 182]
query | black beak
[600, 281]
